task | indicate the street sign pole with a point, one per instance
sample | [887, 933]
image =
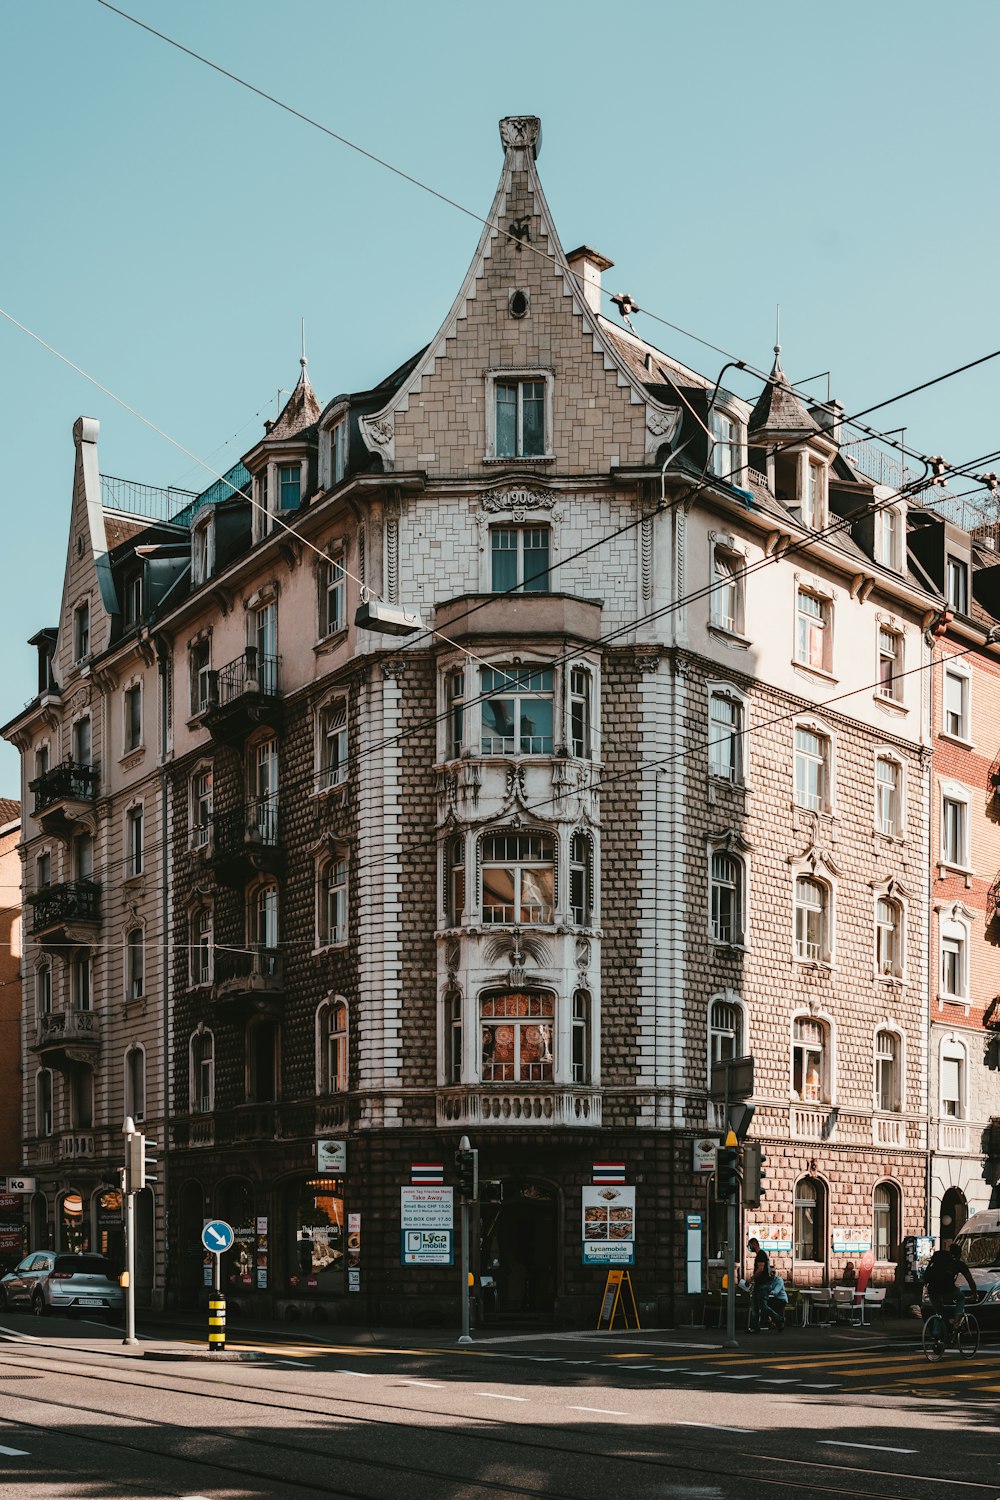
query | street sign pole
[217, 1237]
[129, 1201]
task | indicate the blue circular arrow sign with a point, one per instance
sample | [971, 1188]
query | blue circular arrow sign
[217, 1236]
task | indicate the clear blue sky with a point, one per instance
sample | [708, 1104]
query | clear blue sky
[167, 230]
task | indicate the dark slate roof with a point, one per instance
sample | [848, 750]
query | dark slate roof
[300, 411]
[119, 529]
[778, 409]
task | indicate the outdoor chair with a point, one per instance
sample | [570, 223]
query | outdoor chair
[845, 1308]
[872, 1303]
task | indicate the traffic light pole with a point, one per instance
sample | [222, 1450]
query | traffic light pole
[466, 1337]
[129, 1198]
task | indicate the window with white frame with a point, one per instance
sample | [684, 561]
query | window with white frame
[132, 709]
[81, 631]
[888, 1073]
[135, 1083]
[289, 486]
[955, 831]
[133, 842]
[202, 549]
[812, 769]
[725, 1030]
[201, 945]
[955, 717]
[885, 1221]
[201, 675]
[262, 518]
[516, 710]
[580, 696]
[581, 1037]
[43, 1101]
[519, 412]
[263, 808]
[814, 494]
[333, 744]
[135, 964]
[809, 1227]
[456, 714]
[519, 559]
[809, 1060]
[332, 595]
[264, 916]
[202, 1073]
[581, 879]
[954, 959]
[813, 630]
[453, 1036]
[333, 1045]
[263, 623]
[725, 451]
[953, 1080]
[726, 730]
[338, 452]
[454, 879]
[333, 901]
[888, 938]
[956, 584]
[43, 869]
[132, 598]
[517, 1032]
[889, 537]
[726, 607]
[890, 664]
[83, 741]
[726, 882]
[201, 807]
[888, 796]
[43, 990]
[81, 987]
[518, 875]
[812, 920]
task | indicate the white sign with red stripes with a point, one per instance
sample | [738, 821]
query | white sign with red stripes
[427, 1173]
[609, 1171]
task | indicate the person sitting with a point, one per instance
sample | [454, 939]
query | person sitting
[849, 1277]
[777, 1302]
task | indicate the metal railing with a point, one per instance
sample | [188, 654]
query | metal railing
[70, 781]
[72, 901]
[257, 966]
[251, 826]
[249, 674]
[152, 502]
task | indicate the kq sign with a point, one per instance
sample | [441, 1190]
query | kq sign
[17, 1184]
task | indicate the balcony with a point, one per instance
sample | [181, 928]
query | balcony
[546, 1107]
[65, 1037]
[66, 915]
[64, 797]
[245, 841]
[888, 1130]
[243, 696]
[817, 1124]
[249, 981]
[952, 1137]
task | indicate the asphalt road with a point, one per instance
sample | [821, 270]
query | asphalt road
[576, 1417]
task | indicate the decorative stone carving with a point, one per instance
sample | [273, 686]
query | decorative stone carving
[514, 791]
[379, 436]
[521, 499]
[662, 426]
[521, 132]
[583, 953]
[472, 778]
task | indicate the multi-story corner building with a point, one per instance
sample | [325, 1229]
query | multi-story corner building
[94, 879]
[963, 1058]
[12, 1236]
[648, 789]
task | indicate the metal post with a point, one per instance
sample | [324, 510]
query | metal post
[731, 1342]
[217, 1311]
[129, 1201]
[466, 1338]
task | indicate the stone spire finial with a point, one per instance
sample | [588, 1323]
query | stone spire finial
[521, 133]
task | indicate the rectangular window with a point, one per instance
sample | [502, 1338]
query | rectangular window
[203, 1049]
[456, 723]
[133, 842]
[333, 746]
[955, 718]
[953, 965]
[135, 1093]
[812, 753]
[83, 749]
[336, 901]
[887, 804]
[581, 1037]
[813, 508]
[81, 984]
[136, 986]
[955, 833]
[519, 559]
[338, 452]
[333, 596]
[81, 632]
[43, 987]
[957, 585]
[725, 461]
[201, 553]
[579, 713]
[725, 737]
[133, 717]
[201, 676]
[201, 807]
[43, 870]
[520, 418]
[890, 664]
[517, 711]
[951, 1088]
[264, 636]
[518, 878]
[888, 530]
[580, 880]
[289, 490]
[201, 946]
[812, 638]
[727, 586]
[133, 599]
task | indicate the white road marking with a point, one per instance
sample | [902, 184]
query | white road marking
[496, 1396]
[358, 1374]
[296, 1364]
[15, 1452]
[813, 1385]
[724, 1376]
[601, 1411]
[715, 1427]
[787, 1381]
[428, 1385]
[657, 1369]
[870, 1447]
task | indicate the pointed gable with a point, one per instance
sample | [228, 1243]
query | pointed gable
[779, 412]
[522, 317]
[300, 411]
[87, 582]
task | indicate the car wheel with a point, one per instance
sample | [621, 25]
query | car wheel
[38, 1305]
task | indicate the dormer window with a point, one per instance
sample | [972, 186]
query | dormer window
[725, 454]
[956, 584]
[133, 599]
[338, 452]
[289, 486]
[518, 415]
[813, 493]
[81, 632]
[202, 552]
[888, 538]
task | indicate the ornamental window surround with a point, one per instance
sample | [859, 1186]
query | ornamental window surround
[810, 1060]
[518, 878]
[727, 734]
[517, 1032]
[518, 415]
[519, 559]
[956, 696]
[517, 710]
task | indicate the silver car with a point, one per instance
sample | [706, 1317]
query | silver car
[48, 1281]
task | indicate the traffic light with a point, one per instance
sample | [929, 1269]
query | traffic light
[727, 1167]
[467, 1163]
[753, 1173]
[138, 1162]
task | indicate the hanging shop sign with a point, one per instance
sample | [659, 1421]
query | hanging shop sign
[608, 1228]
[427, 1226]
[703, 1153]
[331, 1158]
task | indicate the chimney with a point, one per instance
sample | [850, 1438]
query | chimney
[587, 265]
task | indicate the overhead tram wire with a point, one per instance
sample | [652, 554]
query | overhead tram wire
[417, 182]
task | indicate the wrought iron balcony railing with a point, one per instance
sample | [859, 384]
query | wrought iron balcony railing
[72, 901]
[252, 826]
[70, 781]
[250, 675]
[257, 967]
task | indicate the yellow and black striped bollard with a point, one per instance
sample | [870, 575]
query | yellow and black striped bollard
[216, 1323]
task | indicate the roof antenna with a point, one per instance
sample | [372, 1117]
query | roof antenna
[777, 328]
[302, 358]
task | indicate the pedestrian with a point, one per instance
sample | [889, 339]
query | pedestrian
[760, 1285]
[777, 1301]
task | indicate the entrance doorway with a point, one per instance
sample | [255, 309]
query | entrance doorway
[954, 1212]
[518, 1252]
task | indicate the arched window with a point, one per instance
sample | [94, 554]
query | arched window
[202, 1073]
[812, 920]
[201, 950]
[813, 760]
[581, 879]
[726, 735]
[810, 1062]
[43, 1101]
[887, 1071]
[888, 938]
[264, 932]
[332, 913]
[725, 1030]
[726, 907]
[885, 1216]
[453, 1036]
[517, 1036]
[581, 1037]
[810, 1213]
[135, 1083]
[332, 1051]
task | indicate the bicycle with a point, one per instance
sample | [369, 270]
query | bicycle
[939, 1335]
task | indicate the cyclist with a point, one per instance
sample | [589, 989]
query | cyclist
[943, 1270]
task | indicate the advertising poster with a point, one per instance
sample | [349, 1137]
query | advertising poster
[608, 1226]
[771, 1236]
[426, 1223]
[331, 1158]
[851, 1241]
[262, 1254]
[11, 1228]
[354, 1252]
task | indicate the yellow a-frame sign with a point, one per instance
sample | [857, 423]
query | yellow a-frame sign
[618, 1293]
